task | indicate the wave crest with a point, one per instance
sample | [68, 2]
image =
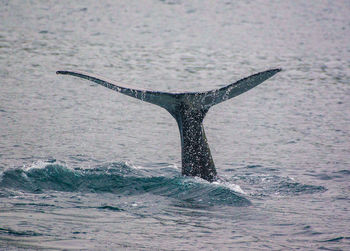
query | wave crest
[121, 179]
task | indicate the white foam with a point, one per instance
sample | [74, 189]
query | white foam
[37, 165]
[231, 186]
[173, 166]
[131, 165]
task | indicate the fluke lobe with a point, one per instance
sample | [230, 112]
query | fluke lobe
[189, 110]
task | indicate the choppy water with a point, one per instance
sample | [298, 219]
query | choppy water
[83, 167]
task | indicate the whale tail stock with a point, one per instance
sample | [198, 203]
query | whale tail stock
[189, 110]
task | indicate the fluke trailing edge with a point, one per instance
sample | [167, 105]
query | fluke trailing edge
[189, 110]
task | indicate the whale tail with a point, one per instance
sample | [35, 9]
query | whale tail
[189, 110]
[169, 101]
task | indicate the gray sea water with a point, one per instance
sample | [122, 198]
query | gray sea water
[83, 167]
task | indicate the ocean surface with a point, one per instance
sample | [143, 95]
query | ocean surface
[86, 168]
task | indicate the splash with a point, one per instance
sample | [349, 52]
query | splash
[120, 179]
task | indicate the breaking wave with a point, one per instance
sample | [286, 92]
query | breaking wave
[120, 179]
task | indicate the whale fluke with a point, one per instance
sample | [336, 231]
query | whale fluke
[158, 98]
[189, 110]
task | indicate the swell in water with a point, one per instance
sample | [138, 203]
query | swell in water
[127, 180]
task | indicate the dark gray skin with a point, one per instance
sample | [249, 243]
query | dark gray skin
[189, 110]
[195, 151]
